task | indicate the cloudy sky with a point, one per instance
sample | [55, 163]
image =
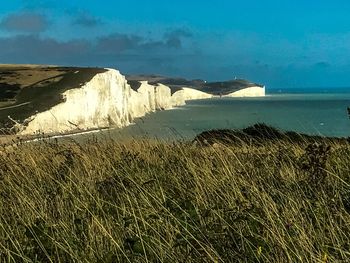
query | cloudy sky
[280, 43]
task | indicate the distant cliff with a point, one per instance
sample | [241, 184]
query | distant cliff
[109, 99]
[218, 88]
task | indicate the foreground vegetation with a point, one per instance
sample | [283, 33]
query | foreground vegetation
[147, 201]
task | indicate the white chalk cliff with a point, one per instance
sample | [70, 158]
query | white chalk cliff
[248, 92]
[108, 100]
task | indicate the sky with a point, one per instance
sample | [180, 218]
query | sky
[279, 43]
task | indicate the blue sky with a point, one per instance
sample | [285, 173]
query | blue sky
[282, 44]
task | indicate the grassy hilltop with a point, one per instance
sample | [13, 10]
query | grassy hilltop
[254, 199]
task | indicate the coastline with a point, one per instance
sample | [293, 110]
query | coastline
[108, 101]
[319, 126]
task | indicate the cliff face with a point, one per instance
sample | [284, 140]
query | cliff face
[180, 96]
[107, 100]
[248, 92]
[101, 102]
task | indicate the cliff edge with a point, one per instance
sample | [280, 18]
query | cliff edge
[78, 99]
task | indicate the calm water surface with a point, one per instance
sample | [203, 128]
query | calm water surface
[322, 114]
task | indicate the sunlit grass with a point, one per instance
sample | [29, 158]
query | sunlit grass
[148, 201]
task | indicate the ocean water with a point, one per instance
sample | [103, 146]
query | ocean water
[321, 114]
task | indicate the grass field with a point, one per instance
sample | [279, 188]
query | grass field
[149, 201]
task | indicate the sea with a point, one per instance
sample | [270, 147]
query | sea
[308, 112]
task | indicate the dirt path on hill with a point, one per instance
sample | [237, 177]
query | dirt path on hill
[15, 106]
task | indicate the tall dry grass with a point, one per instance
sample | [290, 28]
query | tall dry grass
[148, 201]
